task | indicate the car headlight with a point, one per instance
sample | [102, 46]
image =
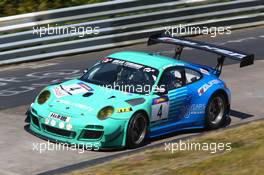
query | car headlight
[43, 97]
[105, 112]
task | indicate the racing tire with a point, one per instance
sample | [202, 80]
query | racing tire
[216, 111]
[137, 130]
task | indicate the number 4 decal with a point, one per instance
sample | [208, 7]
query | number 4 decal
[160, 112]
[159, 108]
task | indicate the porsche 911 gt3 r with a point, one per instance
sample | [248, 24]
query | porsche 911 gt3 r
[130, 96]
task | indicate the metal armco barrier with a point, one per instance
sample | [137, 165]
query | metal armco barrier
[112, 24]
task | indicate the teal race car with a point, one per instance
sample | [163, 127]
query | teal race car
[130, 96]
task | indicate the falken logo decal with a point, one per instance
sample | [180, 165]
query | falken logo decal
[206, 86]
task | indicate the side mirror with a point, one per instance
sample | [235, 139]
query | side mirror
[193, 79]
[85, 71]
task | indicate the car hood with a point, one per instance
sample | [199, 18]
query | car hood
[80, 98]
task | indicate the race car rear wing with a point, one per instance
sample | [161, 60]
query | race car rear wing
[244, 58]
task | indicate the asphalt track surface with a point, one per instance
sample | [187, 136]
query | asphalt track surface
[19, 84]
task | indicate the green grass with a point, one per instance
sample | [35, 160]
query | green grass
[15, 7]
[245, 157]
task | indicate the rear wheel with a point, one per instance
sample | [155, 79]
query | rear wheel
[216, 111]
[137, 130]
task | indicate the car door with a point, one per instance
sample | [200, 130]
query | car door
[175, 102]
[179, 95]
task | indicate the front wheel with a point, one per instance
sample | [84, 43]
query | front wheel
[216, 111]
[137, 130]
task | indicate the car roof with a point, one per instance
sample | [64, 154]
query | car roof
[149, 59]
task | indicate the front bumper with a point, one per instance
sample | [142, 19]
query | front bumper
[102, 134]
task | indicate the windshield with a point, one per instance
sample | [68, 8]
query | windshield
[122, 75]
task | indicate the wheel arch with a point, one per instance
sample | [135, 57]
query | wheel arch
[136, 112]
[223, 92]
[142, 111]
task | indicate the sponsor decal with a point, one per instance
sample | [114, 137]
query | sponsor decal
[121, 110]
[59, 92]
[166, 39]
[195, 109]
[119, 62]
[206, 86]
[159, 109]
[127, 64]
[85, 86]
[63, 90]
[133, 65]
[212, 48]
[60, 117]
[204, 71]
[61, 125]
[148, 69]
[52, 122]
[160, 100]
[106, 60]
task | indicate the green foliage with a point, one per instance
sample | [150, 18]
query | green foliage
[15, 7]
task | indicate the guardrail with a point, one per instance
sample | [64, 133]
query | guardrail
[120, 23]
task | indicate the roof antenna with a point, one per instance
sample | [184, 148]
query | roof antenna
[178, 51]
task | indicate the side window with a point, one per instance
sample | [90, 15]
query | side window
[191, 75]
[172, 78]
